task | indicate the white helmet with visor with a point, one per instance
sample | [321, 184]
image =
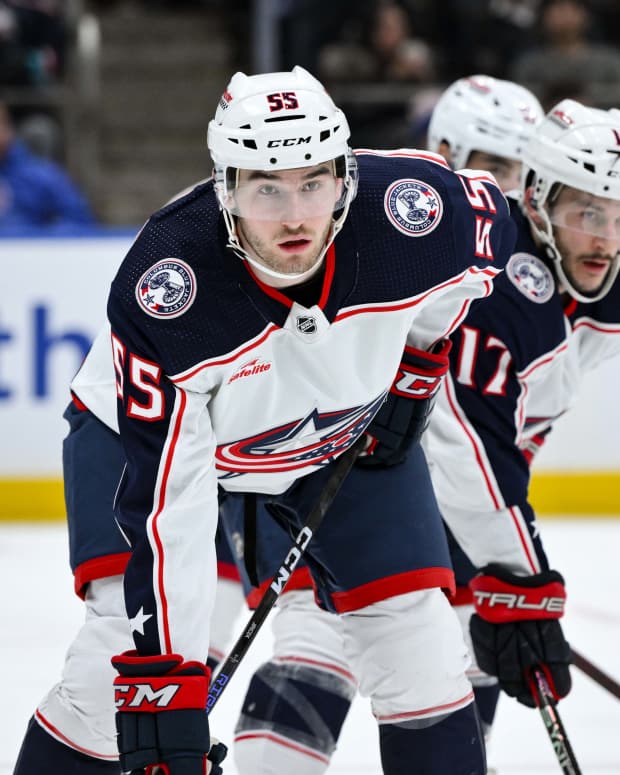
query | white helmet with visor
[280, 121]
[481, 113]
[575, 146]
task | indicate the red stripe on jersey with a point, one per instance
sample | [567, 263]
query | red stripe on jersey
[183, 377]
[389, 307]
[541, 361]
[570, 307]
[270, 290]
[477, 452]
[176, 432]
[602, 328]
[78, 404]
[390, 586]
[54, 732]
[330, 269]
[178, 379]
[402, 154]
[534, 567]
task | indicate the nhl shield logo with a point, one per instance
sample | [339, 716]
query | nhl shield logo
[413, 207]
[531, 276]
[167, 289]
[306, 324]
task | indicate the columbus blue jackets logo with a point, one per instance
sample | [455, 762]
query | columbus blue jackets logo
[413, 207]
[167, 289]
[310, 440]
[531, 276]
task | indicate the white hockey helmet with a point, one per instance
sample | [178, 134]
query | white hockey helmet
[481, 113]
[278, 121]
[574, 146]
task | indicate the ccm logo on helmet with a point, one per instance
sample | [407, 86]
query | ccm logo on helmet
[139, 695]
[289, 141]
[515, 602]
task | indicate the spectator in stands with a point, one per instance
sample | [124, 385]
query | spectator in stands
[570, 55]
[32, 42]
[35, 192]
[390, 52]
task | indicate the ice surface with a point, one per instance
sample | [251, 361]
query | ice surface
[40, 614]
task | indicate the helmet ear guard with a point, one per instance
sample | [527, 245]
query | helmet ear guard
[574, 146]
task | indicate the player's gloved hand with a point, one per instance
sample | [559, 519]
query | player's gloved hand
[161, 717]
[516, 627]
[404, 415]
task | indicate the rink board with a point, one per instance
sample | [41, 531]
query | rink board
[54, 311]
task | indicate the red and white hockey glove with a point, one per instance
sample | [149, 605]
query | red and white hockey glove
[404, 415]
[161, 717]
[516, 628]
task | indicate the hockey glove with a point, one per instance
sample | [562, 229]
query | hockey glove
[404, 415]
[516, 628]
[161, 719]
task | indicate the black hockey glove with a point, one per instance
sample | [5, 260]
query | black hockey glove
[404, 415]
[516, 628]
[161, 717]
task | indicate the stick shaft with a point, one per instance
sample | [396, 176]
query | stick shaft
[595, 673]
[342, 466]
[553, 724]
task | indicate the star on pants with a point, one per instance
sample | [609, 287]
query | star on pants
[137, 623]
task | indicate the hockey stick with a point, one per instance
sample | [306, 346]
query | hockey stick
[595, 673]
[342, 466]
[553, 723]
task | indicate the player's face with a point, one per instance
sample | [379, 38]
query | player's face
[587, 234]
[507, 172]
[284, 217]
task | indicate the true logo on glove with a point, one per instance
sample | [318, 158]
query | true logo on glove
[509, 600]
[144, 696]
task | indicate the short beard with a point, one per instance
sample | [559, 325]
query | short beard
[261, 252]
[573, 281]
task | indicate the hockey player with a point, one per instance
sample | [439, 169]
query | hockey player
[287, 722]
[72, 729]
[484, 123]
[256, 373]
[515, 367]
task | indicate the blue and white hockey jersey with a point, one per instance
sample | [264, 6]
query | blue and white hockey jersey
[221, 378]
[516, 365]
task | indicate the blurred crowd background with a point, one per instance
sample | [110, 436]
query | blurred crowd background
[118, 93]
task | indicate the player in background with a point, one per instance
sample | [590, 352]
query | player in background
[484, 123]
[311, 292]
[286, 723]
[515, 367]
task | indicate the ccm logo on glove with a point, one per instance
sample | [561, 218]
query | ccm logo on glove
[146, 696]
[420, 373]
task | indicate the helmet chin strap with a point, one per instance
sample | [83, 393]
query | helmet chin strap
[545, 235]
[292, 278]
